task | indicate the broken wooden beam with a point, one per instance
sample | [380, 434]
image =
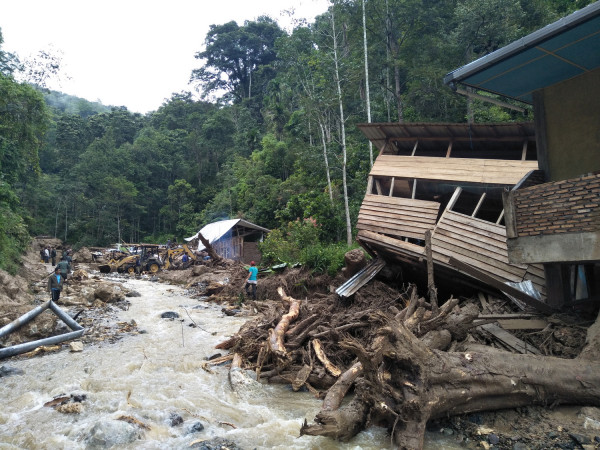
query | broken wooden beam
[488, 279]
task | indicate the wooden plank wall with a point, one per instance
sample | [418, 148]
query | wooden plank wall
[469, 170]
[229, 247]
[476, 242]
[396, 216]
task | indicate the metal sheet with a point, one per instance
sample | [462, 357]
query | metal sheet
[360, 278]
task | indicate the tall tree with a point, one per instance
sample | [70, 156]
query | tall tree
[235, 58]
[342, 125]
[367, 88]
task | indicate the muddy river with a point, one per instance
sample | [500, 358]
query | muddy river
[157, 375]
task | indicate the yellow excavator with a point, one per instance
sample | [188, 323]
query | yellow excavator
[171, 254]
[123, 264]
[144, 259]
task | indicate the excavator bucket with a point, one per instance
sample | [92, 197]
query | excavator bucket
[105, 268]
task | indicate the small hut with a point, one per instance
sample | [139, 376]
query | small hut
[235, 239]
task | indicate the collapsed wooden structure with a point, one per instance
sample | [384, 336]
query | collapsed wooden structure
[235, 239]
[449, 179]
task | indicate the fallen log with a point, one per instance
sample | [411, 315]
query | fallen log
[329, 366]
[301, 377]
[341, 424]
[336, 393]
[405, 384]
[276, 335]
[301, 326]
[209, 248]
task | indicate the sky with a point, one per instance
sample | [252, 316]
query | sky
[133, 53]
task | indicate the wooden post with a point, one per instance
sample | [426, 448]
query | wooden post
[370, 185]
[430, 280]
[378, 187]
[392, 186]
[476, 210]
[510, 221]
[454, 198]
[449, 150]
[414, 148]
[500, 217]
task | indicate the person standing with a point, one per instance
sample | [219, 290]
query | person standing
[55, 284]
[185, 259]
[252, 279]
[69, 258]
[46, 255]
[53, 256]
[64, 267]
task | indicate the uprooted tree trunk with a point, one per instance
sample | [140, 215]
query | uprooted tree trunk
[404, 384]
[209, 248]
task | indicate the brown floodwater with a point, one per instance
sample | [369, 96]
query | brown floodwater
[157, 373]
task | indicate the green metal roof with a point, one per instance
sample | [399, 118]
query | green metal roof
[557, 52]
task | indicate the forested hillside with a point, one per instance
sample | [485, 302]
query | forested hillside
[272, 141]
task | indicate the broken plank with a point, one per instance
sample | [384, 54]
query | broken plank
[520, 295]
[523, 324]
[508, 339]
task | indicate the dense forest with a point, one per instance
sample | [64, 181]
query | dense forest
[273, 138]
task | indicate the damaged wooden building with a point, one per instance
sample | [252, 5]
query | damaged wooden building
[449, 179]
[553, 215]
[513, 206]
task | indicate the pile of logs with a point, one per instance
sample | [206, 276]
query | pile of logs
[396, 360]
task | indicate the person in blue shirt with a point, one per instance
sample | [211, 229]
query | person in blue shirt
[251, 280]
[55, 284]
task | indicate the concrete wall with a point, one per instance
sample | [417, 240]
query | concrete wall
[572, 126]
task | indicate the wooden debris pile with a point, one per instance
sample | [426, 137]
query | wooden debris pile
[408, 359]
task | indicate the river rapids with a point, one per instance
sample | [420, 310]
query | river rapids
[154, 376]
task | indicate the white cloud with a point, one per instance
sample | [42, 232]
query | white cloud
[134, 53]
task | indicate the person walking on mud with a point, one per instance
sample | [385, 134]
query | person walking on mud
[252, 280]
[46, 255]
[55, 284]
[63, 267]
[53, 255]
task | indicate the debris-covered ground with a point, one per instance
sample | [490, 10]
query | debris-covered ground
[316, 342]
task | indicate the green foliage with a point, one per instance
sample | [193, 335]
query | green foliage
[298, 242]
[69, 104]
[23, 122]
[241, 53]
[14, 235]
[270, 151]
[325, 258]
[285, 244]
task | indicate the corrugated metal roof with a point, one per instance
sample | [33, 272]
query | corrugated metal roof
[216, 230]
[406, 134]
[361, 278]
[555, 53]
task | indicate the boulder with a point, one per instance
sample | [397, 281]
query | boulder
[196, 427]
[80, 275]
[76, 346]
[109, 293]
[169, 315]
[83, 255]
[108, 433]
[215, 444]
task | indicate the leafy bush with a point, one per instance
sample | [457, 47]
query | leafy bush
[299, 243]
[325, 258]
